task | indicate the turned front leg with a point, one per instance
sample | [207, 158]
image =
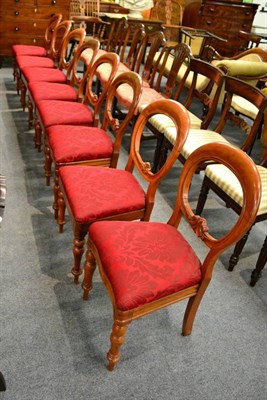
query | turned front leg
[61, 211]
[77, 250]
[30, 113]
[22, 94]
[38, 134]
[56, 191]
[48, 163]
[89, 269]
[117, 339]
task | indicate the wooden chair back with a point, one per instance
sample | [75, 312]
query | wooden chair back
[137, 34]
[205, 83]
[88, 92]
[60, 34]
[116, 126]
[74, 76]
[234, 86]
[152, 44]
[180, 60]
[49, 32]
[248, 40]
[73, 40]
[179, 116]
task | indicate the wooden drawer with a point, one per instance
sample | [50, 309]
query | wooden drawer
[25, 21]
[24, 27]
[222, 11]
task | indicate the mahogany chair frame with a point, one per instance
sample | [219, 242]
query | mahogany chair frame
[54, 21]
[231, 203]
[74, 78]
[61, 31]
[180, 118]
[86, 96]
[109, 124]
[242, 166]
[250, 93]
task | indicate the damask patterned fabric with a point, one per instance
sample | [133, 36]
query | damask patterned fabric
[58, 112]
[27, 50]
[87, 54]
[98, 192]
[144, 261]
[228, 182]
[103, 72]
[78, 143]
[125, 96]
[40, 74]
[32, 61]
[51, 91]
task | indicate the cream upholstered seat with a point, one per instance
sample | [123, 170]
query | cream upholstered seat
[165, 125]
[228, 182]
[225, 184]
[198, 137]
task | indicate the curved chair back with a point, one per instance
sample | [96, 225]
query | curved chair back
[88, 90]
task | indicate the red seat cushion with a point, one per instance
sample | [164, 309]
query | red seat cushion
[103, 72]
[87, 55]
[78, 143]
[125, 96]
[58, 112]
[33, 61]
[144, 261]
[28, 50]
[40, 74]
[97, 192]
[51, 91]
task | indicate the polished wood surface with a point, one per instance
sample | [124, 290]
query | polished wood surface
[25, 21]
[223, 18]
[245, 170]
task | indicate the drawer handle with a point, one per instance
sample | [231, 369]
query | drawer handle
[208, 22]
[116, 10]
[16, 29]
[16, 13]
[34, 40]
[247, 13]
[16, 1]
[244, 26]
[54, 2]
[211, 10]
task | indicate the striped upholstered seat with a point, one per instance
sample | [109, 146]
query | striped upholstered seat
[229, 183]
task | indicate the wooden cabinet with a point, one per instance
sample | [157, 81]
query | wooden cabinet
[25, 21]
[222, 18]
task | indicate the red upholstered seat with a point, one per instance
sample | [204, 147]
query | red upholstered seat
[27, 50]
[146, 266]
[51, 90]
[32, 61]
[86, 56]
[144, 261]
[104, 72]
[58, 112]
[113, 191]
[148, 96]
[42, 74]
[77, 143]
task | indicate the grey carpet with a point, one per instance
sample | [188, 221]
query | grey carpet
[53, 344]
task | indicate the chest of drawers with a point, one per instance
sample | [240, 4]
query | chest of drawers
[25, 21]
[224, 19]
